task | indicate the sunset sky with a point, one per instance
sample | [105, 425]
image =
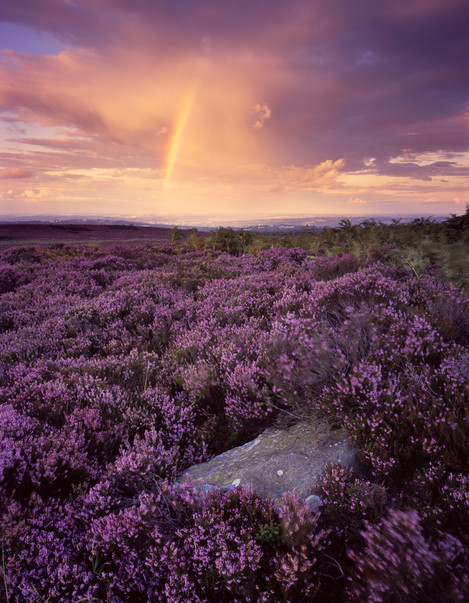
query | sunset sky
[234, 108]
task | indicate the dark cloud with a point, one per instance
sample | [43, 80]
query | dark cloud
[382, 74]
[73, 22]
[421, 172]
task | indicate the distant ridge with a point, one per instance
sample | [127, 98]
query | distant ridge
[264, 224]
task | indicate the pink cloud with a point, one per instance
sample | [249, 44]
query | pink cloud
[16, 173]
[322, 176]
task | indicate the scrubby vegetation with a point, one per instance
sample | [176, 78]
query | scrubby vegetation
[120, 369]
[416, 245]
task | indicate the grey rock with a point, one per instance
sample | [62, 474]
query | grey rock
[277, 461]
[314, 502]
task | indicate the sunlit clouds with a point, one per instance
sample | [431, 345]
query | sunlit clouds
[146, 108]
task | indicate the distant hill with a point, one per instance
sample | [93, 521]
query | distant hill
[102, 234]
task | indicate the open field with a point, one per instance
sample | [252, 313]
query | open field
[103, 235]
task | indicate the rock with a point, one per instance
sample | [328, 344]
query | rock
[277, 461]
[313, 502]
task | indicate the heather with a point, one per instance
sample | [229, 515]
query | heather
[120, 368]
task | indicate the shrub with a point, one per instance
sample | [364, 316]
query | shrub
[400, 563]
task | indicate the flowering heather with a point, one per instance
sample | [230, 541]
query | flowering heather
[120, 369]
[400, 563]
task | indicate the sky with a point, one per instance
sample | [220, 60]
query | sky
[234, 108]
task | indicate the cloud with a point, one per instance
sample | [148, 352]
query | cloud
[16, 173]
[322, 176]
[28, 194]
[357, 80]
[82, 90]
[263, 113]
[293, 177]
[426, 172]
[308, 59]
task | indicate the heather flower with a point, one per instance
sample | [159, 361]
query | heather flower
[399, 562]
[121, 368]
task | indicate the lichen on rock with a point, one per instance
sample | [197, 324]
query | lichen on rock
[277, 461]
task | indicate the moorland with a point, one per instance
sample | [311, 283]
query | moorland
[123, 363]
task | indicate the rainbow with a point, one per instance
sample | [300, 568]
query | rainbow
[177, 134]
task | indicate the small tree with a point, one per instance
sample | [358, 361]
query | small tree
[177, 235]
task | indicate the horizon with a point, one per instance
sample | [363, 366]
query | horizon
[273, 221]
[233, 110]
